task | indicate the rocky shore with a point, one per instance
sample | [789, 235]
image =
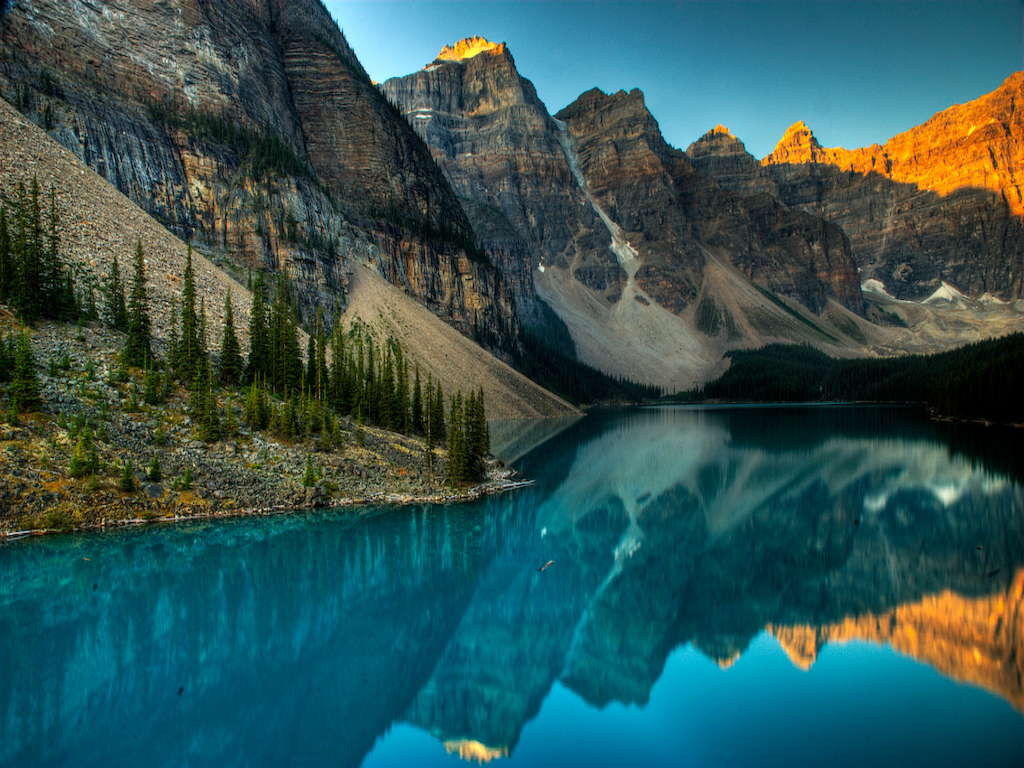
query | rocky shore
[248, 472]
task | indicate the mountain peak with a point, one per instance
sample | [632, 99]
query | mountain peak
[797, 145]
[467, 48]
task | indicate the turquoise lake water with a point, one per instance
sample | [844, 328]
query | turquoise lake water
[735, 586]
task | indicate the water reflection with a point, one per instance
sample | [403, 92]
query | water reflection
[303, 639]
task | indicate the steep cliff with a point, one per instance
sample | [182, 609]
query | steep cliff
[940, 202]
[665, 206]
[498, 145]
[250, 127]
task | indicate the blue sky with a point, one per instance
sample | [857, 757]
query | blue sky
[855, 72]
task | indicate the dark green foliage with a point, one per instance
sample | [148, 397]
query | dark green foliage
[981, 380]
[257, 406]
[230, 370]
[468, 438]
[426, 228]
[190, 353]
[24, 387]
[154, 392]
[259, 333]
[309, 477]
[117, 309]
[138, 350]
[8, 353]
[32, 276]
[84, 459]
[154, 473]
[127, 483]
[6, 265]
[417, 405]
[264, 152]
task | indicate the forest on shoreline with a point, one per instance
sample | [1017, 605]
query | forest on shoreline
[979, 381]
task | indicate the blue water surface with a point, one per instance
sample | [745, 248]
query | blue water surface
[813, 586]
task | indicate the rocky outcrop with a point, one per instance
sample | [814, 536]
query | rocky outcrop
[721, 156]
[940, 202]
[669, 211]
[250, 127]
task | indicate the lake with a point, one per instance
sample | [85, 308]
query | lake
[733, 586]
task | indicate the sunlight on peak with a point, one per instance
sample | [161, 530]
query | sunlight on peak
[468, 749]
[467, 48]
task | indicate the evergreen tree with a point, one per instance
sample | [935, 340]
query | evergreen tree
[154, 473]
[437, 425]
[138, 350]
[189, 351]
[477, 436]
[6, 277]
[457, 458]
[417, 404]
[25, 381]
[117, 309]
[127, 479]
[259, 334]
[230, 371]
[173, 339]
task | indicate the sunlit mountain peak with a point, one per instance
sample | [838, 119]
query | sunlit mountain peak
[467, 48]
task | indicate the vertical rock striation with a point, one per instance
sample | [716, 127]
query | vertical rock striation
[498, 145]
[250, 127]
[670, 211]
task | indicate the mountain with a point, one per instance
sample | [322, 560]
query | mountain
[99, 223]
[655, 268]
[942, 202]
[252, 129]
[499, 147]
[659, 261]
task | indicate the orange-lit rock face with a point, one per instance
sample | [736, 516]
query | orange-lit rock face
[977, 640]
[467, 749]
[968, 145]
[943, 201]
[467, 48]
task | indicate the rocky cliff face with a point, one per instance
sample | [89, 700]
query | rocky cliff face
[669, 210]
[498, 145]
[941, 202]
[250, 127]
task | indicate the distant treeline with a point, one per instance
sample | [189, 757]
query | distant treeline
[981, 380]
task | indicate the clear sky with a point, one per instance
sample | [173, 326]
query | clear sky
[855, 72]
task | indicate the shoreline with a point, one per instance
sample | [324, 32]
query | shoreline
[501, 483]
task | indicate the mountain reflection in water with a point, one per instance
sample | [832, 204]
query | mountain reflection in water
[304, 639]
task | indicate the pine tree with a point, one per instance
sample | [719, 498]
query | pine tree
[259, 334]
[173, 339]
[117, 310]
[154, 473]
[230, 371]
[321, 384]
[6, 277]
[189, 351]
[138, 350]
[80, 464]
[25, 381]
[417, 404]
[127, 479]
[457, 463]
